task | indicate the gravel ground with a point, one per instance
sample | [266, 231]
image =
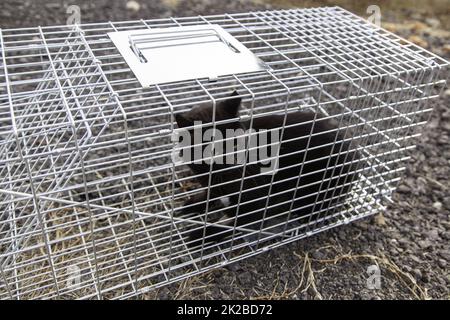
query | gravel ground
[410, 241]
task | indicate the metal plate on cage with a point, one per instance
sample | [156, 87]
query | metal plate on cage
[184, 53]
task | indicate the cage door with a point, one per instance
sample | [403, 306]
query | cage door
[183, 53]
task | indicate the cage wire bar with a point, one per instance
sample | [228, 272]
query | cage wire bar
[89, 193]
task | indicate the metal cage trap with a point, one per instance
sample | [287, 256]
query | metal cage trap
[89, 192]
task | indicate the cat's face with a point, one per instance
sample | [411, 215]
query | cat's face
[204, 114]
[225, 110]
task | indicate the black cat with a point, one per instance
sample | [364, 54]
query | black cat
[226, 179]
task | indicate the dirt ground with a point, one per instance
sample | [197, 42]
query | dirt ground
[409, 242]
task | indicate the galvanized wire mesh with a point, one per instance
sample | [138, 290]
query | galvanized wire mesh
[88, 188]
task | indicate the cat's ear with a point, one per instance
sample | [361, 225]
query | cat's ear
[232, 104]
[182, 121]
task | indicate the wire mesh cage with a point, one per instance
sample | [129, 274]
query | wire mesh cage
[94, 204]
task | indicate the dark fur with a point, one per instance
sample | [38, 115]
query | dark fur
[256, 185]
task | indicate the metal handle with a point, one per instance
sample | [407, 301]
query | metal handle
[138, 41]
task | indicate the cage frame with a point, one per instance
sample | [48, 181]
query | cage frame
[81, 80]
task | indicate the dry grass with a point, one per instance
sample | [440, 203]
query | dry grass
[311, 268]
[384, 262]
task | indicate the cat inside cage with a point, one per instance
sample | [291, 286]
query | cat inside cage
[317, 135]
[315, 167]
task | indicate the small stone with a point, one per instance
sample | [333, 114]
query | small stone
[446, 49]
[419, 41]
[432, 22]
[437, 205]
[392, 27]
[418, 26]
[447, 92]
[394, 251]
[445, 235]
[446, 125]
[164, 294]
[380, 220]
[444, 254]
[52, 5]
[424, 244]
[403, 188]
[417, 274]
[442, 263]
[133, 5]
[403, 242]
[317, 255]
[234, 267]
[447, 202]
[245, 277]
[172, 4]
[433, 234]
